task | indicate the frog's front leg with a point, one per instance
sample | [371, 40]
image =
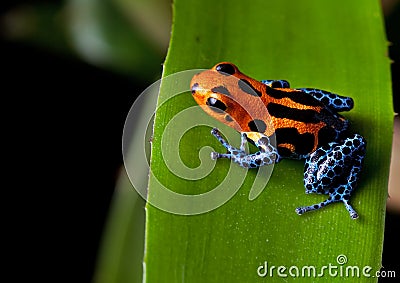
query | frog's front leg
[334, 170]
[266, 155]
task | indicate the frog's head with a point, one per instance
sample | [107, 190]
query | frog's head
[229, 96]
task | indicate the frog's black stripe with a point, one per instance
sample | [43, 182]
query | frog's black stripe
[221, 89]
[332, 119]
[303, 143]
[281, 111]
[285, 152]
[257, 125]
[228, 118]
[216, 105]
[248, 88]
[296, 96]
[326, 135]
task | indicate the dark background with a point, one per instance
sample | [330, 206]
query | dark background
[65, 118]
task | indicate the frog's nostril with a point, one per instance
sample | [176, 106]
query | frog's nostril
[195, 87]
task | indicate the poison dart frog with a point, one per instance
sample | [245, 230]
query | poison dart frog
[304, 121]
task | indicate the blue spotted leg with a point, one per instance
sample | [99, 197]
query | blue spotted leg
[331, 100]
[334, 170]
[266, 155]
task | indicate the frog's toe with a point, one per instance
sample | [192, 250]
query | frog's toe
[350, 209]
[300, 210]
[214, 155]
[215, 132]
[303, 209]
[354, 215]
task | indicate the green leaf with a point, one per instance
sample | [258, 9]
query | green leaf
[125, 36]
[109, 33]
[121, 255]
[335, 45]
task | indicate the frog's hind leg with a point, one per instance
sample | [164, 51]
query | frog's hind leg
[334, 170]
[331, 100]
[334, 197]
[301, 210]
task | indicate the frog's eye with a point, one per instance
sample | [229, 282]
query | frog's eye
[216, 105]
[225, 69]
[195, 87]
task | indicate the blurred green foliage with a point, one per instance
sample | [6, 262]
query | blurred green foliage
[128, 37]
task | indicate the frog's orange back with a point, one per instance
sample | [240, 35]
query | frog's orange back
[300, 122]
